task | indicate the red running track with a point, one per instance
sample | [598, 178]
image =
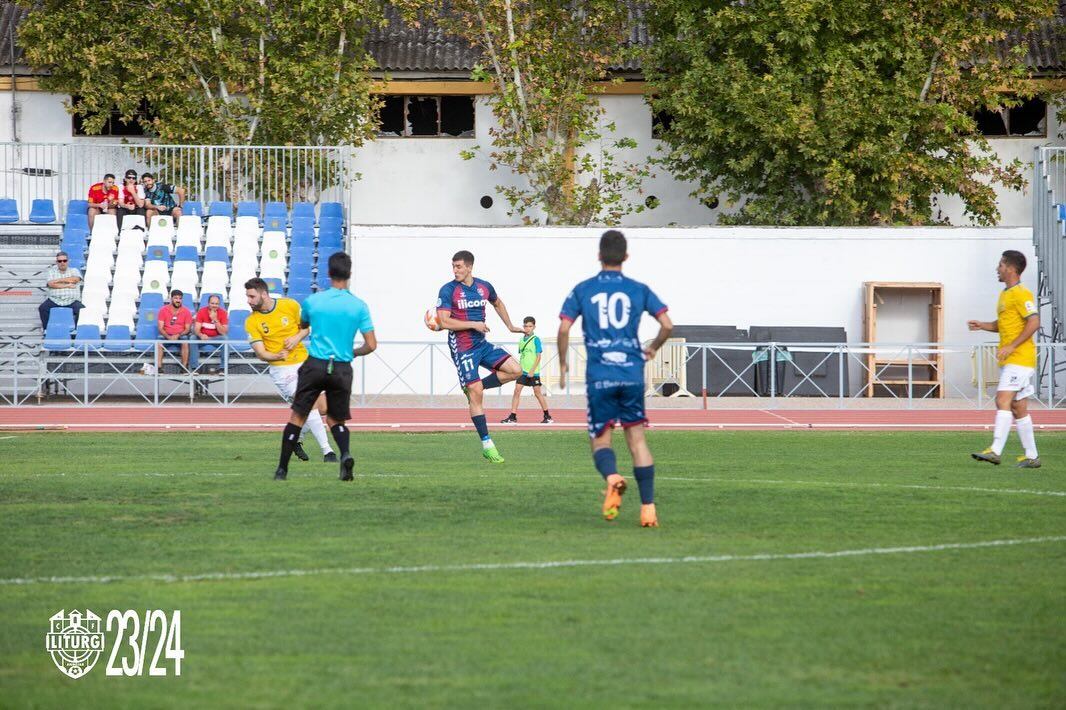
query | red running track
[254, 418]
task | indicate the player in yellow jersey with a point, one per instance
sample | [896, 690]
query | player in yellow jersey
[1017, 320]
[272, 328]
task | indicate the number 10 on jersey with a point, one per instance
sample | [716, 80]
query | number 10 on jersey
[614, 309]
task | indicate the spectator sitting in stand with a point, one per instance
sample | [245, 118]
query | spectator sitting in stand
[130, 197]
[175, 323]
[212, 323]
[103, 198]
[63, 289]
[160, 198]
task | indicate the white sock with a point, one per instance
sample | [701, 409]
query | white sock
[318, 430]
[999, 438]
[1025, 433]
[487, 443]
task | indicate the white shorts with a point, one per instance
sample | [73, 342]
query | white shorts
[284, 377]
[1017, 379]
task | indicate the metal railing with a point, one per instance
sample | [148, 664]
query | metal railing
[64, 171]
[770, 373]
[1049, 236]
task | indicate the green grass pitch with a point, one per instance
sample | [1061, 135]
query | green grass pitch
[958, 627]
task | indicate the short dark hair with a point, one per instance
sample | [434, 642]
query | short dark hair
[1015, 259]
[340, 266]
[258, 284]
[144, 175]
[529, 319]
[612, 248]
[464, 256]
[109, 175]
[62, 253]
[176, 292]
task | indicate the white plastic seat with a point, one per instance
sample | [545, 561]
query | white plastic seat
[190, 234]
[98, 268]
[92, 316]
[129, 259]
[95, 293]
[104, 243]
[185, 278]
[122, 313]
[105, 224]
[133, 220]
[131, 241]
[215, 278]
[163, 224]
[219, 233]
[156, 278]
[127, 281]
[161, 238]
[245, 266]
[272, 266]
[237, 295]
[275, 242]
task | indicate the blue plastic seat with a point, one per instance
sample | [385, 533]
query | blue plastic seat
[193, 208]
[159, 253]
[217, 254]
[9, 211]
[189, 254]
[219, 208]
[236, 327]
[302, 223]
[276, 209]
[301, 261]
[299, 292]
[328, 245]
[274, 223]
[60, 326]
[205, 296]
[77, 207]
[153, 301]
[79, 221]
[275, 285]
[248, 209]
[117, 338]
[303, 209]
[147, 330]
[322, 280]
[331, 209]
[87, 336]
[331, 222]
[302, 240]
[42, 212]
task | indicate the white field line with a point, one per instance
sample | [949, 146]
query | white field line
[530, 565]
[535, 476]
[445, 426]
[2, 438]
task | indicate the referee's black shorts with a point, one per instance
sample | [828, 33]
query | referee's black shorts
[314, 378]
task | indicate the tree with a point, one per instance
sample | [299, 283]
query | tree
[230, 72]
[544, 58]
[832, 112]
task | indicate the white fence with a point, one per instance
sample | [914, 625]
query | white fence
[64, 171]
[399, 372]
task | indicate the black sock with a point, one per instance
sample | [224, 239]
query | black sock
[491, 382]
[547, 414]
[340, 435]
[289, 437]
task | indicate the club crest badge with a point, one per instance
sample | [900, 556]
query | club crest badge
[75, 641]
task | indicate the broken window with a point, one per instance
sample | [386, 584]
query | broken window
[450, 116]
[1029, 119]
[114, 125]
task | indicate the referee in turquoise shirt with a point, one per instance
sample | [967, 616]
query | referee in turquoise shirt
[332, 318]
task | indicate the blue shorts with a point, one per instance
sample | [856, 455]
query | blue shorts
[485, 354]
[611, 402]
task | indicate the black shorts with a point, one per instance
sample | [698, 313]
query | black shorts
[314, 378]
[529, 380]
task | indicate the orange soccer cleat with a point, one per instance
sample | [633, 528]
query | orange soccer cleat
[648, 517]
[612, 498]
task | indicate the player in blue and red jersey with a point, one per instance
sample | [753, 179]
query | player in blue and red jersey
[461, 306]
[610, 305]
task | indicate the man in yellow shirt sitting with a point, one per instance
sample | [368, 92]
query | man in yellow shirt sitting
[1017, 320]
[272, 327]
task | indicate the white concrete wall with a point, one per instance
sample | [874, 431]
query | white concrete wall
[424, 181]
[716, 276]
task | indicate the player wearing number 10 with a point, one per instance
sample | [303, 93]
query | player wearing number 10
[610, 305]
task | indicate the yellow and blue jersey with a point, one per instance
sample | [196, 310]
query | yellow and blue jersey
[1016, 305]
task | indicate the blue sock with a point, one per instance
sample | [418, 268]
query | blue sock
[606, 463]
[491, 382]
[481, 425]
[645, 476]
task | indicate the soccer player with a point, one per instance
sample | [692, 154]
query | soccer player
[530, 351]
[332, 318]
[270, 325]
[610, 306]
[1017, 320]
[461, 309]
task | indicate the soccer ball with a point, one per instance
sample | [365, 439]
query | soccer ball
[432, 320]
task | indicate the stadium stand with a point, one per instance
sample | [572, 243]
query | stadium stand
[9, 211]
[42, 212]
